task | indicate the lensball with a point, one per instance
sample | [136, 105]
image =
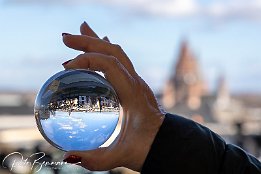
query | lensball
[76, 110]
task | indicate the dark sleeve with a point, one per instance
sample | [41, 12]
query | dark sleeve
[184, 147]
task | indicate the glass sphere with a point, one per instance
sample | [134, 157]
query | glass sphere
[76, 110]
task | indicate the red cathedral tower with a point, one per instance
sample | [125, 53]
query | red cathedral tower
[185, 84]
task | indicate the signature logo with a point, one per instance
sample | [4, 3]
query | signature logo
[16, 160]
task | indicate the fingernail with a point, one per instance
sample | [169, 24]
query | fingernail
[72, 159]
[64, 63]
[65, 34]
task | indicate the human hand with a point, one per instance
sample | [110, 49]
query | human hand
[142, 116]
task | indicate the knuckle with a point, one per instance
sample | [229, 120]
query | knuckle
[117, 47]
[114, 61]
[82, 60]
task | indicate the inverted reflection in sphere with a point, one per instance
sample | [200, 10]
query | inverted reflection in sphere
[76, 110]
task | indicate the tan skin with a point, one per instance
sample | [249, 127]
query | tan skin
[142, 116]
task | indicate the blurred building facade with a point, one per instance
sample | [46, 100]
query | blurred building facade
[235, 117]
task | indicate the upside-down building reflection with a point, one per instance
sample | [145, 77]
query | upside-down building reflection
[84, 104]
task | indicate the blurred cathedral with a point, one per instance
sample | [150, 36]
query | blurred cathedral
[186, 93]
[236, 118]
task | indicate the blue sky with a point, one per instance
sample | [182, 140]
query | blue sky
[224, 35]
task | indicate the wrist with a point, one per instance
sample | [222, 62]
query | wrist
[141, 145]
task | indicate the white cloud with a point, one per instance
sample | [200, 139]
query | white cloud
[221, 9]
[250, 9]
[175, 8]
[158, 7]
[191, 8]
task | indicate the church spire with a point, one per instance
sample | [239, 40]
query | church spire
[186, 79]
[223, 96]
